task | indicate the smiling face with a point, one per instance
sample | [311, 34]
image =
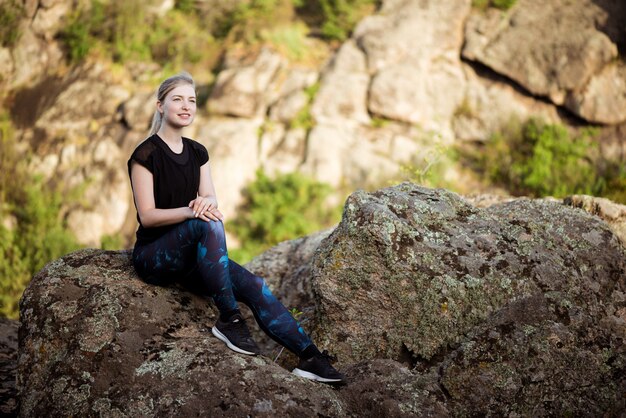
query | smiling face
[179, 106]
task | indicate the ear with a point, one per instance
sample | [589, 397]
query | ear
[159, 106]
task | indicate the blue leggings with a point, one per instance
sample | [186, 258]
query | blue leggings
[196, 249]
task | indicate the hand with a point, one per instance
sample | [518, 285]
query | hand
[205, 208]
[200, 205]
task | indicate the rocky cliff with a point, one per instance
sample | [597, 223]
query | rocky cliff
[413, 76]
[433, 306]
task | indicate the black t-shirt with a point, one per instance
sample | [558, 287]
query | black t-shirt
[176, 177]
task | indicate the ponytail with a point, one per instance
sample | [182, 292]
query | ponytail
[166, 86]
[157, 119]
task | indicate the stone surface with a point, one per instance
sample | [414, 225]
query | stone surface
[412, 55]
[460, 281]
[8, 367]
[488, 105]
[434, 308]
[233, 154]
[343, 89]
[603, 99]
[240, 89]
[610, 212]
[549, 48]
[98, 341]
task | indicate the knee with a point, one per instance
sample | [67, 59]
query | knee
[202, 228]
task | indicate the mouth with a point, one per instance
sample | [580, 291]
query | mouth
[184, 115]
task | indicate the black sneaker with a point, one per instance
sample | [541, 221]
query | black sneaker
[236, 335]
[319, 368]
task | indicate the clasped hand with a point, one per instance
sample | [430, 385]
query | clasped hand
[205, 208]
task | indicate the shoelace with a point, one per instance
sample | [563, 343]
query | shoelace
[241, 329]
[330, 357]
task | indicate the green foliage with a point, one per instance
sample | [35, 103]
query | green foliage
[11, 12]
[36, 234]
[540, 159]
[304, 119]
[499, 4]
[113, 28]
[340, 16]
[279, 209]
[112, 242]
[80, 34]
[431, 167]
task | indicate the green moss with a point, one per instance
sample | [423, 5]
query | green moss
[11, 14]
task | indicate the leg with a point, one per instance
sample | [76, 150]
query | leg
[270, 314]
[193, 244]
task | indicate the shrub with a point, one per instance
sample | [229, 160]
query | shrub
[336, 18]
[540, 159]
[11, 12]
[499, 4]
[38, 234]
[279, 209]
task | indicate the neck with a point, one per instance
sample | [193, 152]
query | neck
[170, 134]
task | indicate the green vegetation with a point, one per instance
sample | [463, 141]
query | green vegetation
[285, 207]
[304, 119]
[499, 4]
[11, 11]
[540, 159]
[193, 32]
[32, 231]
[112, 29]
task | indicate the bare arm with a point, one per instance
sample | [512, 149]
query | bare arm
[149, 215]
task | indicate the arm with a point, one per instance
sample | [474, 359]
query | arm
[206, 202]
[149, 215]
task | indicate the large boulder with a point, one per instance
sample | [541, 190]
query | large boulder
[433, 306]
[96, 340]
[555, 50]
[8, 367]
[504, 295]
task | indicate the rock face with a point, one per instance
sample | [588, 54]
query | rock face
[557, 50]
[8, 367]
[434, 308]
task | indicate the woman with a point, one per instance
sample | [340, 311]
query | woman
[181, 234]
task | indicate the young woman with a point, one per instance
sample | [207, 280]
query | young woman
[181, 234]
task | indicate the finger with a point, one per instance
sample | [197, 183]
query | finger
[212, 216]
[218, 214]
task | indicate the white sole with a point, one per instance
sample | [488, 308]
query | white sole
[230, 345]
[313, 376]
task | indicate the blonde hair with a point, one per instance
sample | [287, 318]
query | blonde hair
[166, 86]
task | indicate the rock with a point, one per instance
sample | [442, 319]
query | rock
[412, 54]
[32, 56]
[240, 88]
[49, 18]
[96, 340]
[476, 117]
[91, 97]
[343, 90]
[282, 151]
[549, 48]
[234, 156]
[603, 99]
[434, 308]
[462, 283]
[137, 111]
[8, 367]
[612, 213]
[287, 267]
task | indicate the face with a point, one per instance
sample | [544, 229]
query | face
[179, 106]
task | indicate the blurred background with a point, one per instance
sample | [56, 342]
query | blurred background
[300, 103]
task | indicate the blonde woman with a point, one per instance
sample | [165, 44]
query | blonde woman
[181, 234]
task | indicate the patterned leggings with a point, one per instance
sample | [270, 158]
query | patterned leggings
[196, 249]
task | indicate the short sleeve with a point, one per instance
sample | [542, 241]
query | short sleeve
[201, 152]
[143, 155]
